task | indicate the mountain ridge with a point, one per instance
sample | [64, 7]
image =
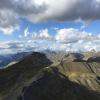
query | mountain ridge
[37, 67]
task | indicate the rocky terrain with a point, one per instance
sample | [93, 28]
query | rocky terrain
[52, 76]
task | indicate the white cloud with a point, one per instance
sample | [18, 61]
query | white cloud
[42, 10]
[77, 40]
[26, 32]
[67, 39]
[9, 30]
[12, 11]
[4, 45]
[41, 34]
[72, 35]
[69, 10]
[11, 47]
[44, 34]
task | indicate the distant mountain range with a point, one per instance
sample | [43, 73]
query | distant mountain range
[9, 58]
[52, 76]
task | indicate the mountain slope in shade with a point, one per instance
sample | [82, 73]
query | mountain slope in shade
[7, 59]
[36, 78]
[13, 78]
[56, 86]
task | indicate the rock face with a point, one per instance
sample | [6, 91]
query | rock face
[73, 57]
[36, 78]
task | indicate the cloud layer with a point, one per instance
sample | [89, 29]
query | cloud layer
[76, 40]
[72, 35]
[12, 10]
[67, 39]
[42, 10]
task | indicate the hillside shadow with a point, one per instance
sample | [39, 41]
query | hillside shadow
[55, 86]
[94, 59]
[26, 68]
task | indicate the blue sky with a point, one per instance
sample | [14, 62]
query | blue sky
[62, 24]
[93, 27]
